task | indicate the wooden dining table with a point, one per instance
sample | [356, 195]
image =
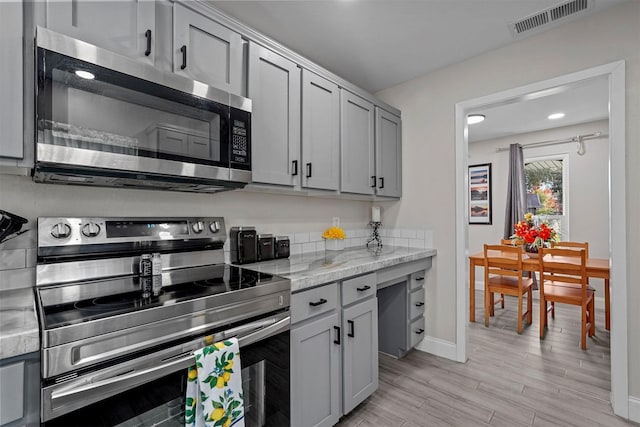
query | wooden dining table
[596, 268]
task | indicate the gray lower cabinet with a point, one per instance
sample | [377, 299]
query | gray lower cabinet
[357, 145]
[274, 89]
[316, 365]
[320, 132]
[20, 390]
[126, 27]
[388, 154]
[360, 353]
[11, 70]
[206, 51]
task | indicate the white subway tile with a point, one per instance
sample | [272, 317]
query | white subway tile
[420, 234]
[428, 239]
[315, 236]
[321, 246]
[400, 241]
[396, 233]
[408, 233]
[381, 231]
[296, 249]
[309, 247]
[416, 243]
[389, 241]
[227, 257]
[301, 238]
[11, 259]
[32, 256]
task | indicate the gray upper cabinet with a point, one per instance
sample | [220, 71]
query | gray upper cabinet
[388, 154]
[11, 137]
[315, 372]
[274, 89]
[206, 51]
[360, 354]
[320, 132]
[126, 27]
[357, 144]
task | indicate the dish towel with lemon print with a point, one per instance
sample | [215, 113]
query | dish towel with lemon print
[214, 387]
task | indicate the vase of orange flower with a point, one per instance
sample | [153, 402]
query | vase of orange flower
[334, 238]
[534, 236]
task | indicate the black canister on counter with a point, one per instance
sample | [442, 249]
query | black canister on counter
[266, 249]
[282, 247]
[244, 245]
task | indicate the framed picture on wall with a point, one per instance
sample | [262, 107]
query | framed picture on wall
[480, 194]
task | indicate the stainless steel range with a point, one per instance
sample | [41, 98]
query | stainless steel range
[116, 343]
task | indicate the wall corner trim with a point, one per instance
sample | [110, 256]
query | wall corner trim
[634, 409]
[439, 347]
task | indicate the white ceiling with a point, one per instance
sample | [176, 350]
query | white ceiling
[377, 44]
[581, 103]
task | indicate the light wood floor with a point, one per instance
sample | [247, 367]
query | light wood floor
[509, 379]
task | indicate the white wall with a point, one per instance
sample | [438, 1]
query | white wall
[428, 103]
[587, 192]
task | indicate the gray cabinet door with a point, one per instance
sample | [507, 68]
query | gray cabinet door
[274, 89]
[315, 373]
[320, 132]
[360, 353]
[206, 51]
[356, 144]
[11, 140]
[388, 154]
[120, 26]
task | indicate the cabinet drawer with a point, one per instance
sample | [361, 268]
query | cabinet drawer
[316, 301]
[358, 288]
[416, 331]
[416, 301]
[417, 279]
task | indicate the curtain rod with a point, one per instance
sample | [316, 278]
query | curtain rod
[578, 139]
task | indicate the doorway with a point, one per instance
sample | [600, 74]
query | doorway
[615, 74]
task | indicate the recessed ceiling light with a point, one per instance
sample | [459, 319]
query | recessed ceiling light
[85, 74]
[472, 119]
[555, 116]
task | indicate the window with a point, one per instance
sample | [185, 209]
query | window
[546, 195]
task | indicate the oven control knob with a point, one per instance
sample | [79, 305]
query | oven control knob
[197, 227]
[61, 230]
[214, 226]
[91, 229]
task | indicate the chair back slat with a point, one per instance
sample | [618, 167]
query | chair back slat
[503, 260]
[563, 265]
[572, 245]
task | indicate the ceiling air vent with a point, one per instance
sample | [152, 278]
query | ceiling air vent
[548, 16]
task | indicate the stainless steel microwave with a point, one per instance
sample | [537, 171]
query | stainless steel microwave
[108, 120]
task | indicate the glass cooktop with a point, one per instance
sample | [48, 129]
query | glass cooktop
[83, 302]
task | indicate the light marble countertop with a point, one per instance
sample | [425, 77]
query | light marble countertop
[19, 332]
[315, 268]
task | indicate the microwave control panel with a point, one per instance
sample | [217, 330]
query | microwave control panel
[240, 130]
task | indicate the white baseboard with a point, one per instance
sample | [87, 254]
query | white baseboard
[438, 347]
[634, 409]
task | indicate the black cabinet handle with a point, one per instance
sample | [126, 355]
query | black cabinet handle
[317, 303]
[364, 288]
[308, 170]
[373, 181]
[419, 279]
[183, 49]
[337, 340]
[419, 331]
[352, 331]
[147, 34]
[419, 304]
[294, 167]
[381, 182]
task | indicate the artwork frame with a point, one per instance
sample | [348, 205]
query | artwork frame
[480, 194]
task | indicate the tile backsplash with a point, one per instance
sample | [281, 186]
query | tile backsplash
[312, 241]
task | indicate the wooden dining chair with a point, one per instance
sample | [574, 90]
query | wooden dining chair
[503, 274]
[564, 280]
[573, 246]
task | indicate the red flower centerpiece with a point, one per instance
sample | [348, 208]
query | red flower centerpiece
[534, 236]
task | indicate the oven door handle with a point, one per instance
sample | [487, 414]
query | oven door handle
[102, 389]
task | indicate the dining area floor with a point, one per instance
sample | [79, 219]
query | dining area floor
[508, 380]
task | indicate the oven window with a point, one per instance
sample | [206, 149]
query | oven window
[265, 383]
[82, 105]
